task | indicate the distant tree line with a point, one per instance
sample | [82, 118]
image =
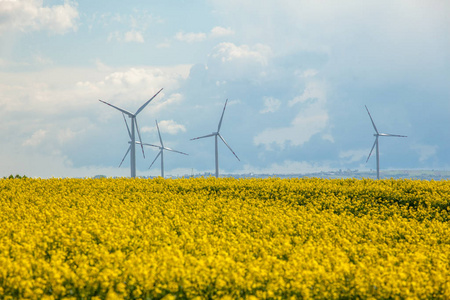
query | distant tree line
[15, 177]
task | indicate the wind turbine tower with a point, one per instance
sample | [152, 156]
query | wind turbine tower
[217, 135]
[161, 151]
[129, 147]
[377, 135]
[134, 127]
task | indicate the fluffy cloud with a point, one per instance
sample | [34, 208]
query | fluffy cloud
[231, 62]
[61, 119]
[270, 105]
[221, 31]
[171, 127]
[311, 119]
[190, 37]
[127, 37]
[355, 155]
[425, 151]
[166, 126]
[135, 85]
[395, 40]
[32, 15]
[36, 138]
[229, 52]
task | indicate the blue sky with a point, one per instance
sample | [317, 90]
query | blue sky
[297, 75]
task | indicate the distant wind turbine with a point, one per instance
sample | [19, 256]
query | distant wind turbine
[161, 151]
[131, 132]
[129, 147]
[217, 134]
[377, 134]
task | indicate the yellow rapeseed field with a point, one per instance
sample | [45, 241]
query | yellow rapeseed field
[224, 238]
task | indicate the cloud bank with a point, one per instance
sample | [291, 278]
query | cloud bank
[32, 15]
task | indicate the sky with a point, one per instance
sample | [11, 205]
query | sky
[297, 75]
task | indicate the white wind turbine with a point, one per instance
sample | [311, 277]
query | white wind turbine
[136, 142]
[377, 135]
[131, 132]
[217, 134]
[161, 151]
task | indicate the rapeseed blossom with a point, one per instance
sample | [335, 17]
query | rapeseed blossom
[224, 239]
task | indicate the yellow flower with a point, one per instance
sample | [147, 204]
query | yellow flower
[270, 238]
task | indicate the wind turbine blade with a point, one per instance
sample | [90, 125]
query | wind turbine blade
[223, 140]
[373, 123]
[371, 150]
[118, 108]
[159, 133]
[159, 153]
[151, 145]
[394, 135]
[205, 136]
[139, 135]
[169, 149]
[129, 148]
[221, 118]
[145, 104]
[128, 128]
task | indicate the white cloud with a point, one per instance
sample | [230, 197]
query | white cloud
[230, 62]
[221, 31]
[36, 138]
[230, 52]
[134, 36]
[425, 151]
[165, 126]
[66, 135]
[394, 39]
[353, 155]
[139, 20]
[313, 91]
[114, 36]
[309, 73]
[270, 105]
[171, 127]
[137, 83]
[163, 45]
[41, 60]
[62, 119]
[302, 128]
[32, 15]
[127, 37]
[168, 101]
[310, 120]
[190, 37]
[35, 164]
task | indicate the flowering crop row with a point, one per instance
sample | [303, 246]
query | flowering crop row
[227, 238]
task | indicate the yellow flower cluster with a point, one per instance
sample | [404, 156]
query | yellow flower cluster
[227, 238]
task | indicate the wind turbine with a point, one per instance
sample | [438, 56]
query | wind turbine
[161, 151]
[216, 135]
[377, 135]
[129, 147]
[131, 132]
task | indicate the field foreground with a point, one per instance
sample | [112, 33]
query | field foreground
[224, 239]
